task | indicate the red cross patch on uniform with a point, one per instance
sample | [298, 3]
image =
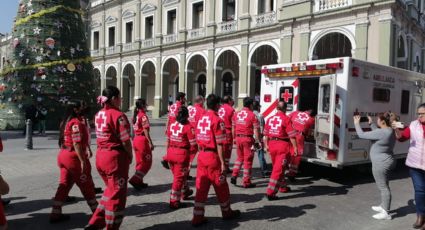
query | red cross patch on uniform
[75, 129]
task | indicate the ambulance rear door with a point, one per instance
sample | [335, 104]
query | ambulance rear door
[324, 129]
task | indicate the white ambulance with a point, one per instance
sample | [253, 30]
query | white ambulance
[336, 89]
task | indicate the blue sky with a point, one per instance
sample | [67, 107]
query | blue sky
[8, 10]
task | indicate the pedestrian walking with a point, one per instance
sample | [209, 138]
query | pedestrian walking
[113, 158]
[41, 117]
[211, 169]
[246, 129]
[381, 156]
[278, 137]
[301, 121]
[142, 145]
[181, 144]
[73, 162]
[260, 149]
[30, 114]
[415, 160]
[195, 113]
[226, 113]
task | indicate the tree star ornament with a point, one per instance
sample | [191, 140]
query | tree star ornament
[37, 30]
[30, 12]
[39, 58]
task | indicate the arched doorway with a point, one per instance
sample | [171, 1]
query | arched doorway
[263, 55]
[227, 74]
[170, 73]
[196, 65]
[332, 45]
[128, 87]
[111, 76]
[148, 84]
[97, 81]
[227, 84]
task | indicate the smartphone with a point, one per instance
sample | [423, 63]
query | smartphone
[399, 125]
[364, 119]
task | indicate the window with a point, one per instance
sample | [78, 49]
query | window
[265, 6]
[405, 101]
[202, 85]
[111, 35]
[227, 84]
[172, 22]
[381, 95]
[149, 27]
[198, 15]
[326, 98]
[401, 53]
[229, 9]
[95, 40]
[129, 32]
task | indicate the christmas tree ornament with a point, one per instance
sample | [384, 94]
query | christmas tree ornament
[37, 30]
[39, 58]
[50, 42]
[16, 42]
[30, 12]
[20, 106]
[70, 67]
[22, 8]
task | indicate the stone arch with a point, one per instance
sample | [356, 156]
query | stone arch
[263, 54]
[170, 70]
[201, 84]
[97, 76]
[228, 86]
[111, 76]
[196, 64]
[148, 72]
[227, 61]
[343, 34]
[128, 86]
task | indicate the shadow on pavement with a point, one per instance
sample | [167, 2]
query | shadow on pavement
[404, 211]
[41, 221]
[148, 209]
[151, 189]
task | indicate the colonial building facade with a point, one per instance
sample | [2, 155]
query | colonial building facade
[155, 48]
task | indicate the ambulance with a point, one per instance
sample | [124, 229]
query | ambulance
[335, 90]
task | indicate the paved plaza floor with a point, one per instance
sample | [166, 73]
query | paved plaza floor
[323, 198]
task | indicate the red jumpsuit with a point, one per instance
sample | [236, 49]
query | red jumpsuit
[210, 132]
[195, 113]
[244, 123]
[278, 129]
[226, 113]
[3, 220]
[172, 112]
[142, 151]
[301, 122]
[70, 167]
[181, 141]
[112, 162]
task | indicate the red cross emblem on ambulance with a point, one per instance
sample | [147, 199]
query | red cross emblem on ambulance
[176, 129]
[204, 125]
[275, 123]
[242, 115]
[286, 95]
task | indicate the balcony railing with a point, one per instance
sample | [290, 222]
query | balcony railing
[111, 50]
[323, 5]
[96, 3]
[170, 38]
[227, 27]
[264, 19]
[130, 47]
[196, 33]
[148, 43]
[94, 53]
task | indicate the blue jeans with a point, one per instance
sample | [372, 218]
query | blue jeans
[418, 179]
[262, 160]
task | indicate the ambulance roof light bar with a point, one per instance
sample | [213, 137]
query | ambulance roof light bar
[303, 69]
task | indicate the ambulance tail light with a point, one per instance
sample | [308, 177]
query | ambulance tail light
[267, 98]
[331, 155]
[334, 65]
[355, 72]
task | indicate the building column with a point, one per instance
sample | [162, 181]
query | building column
[120, 30]
[102, 77]
[304, 45]
[183, 13]
[243, 74]
[211, 18]
[102, 36]
[245, 17]
[120, 79]
[137, 81]
[210, 72]
[156, 113]
[385, 40]
[361, 40]
[158, 23]
[183, 74]
[286, 47]
[137, 23]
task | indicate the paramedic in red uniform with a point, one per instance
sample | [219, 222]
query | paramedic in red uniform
[180, 145]
[210, 136]
[301, 122]
[172, 114]
[142, 145]
[113, 157]
[4, 189]
[245, 125]
[226, 113]
[195, 113]
[278, 137]
[73, 162]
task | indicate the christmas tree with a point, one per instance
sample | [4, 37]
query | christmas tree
[50, 64]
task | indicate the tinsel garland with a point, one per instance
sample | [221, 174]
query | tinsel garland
[47, 64]
[47, 11]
